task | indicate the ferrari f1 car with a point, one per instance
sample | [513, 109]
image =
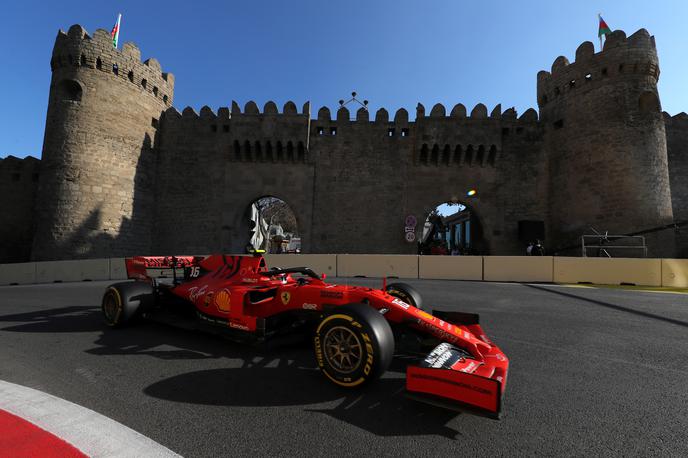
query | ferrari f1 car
[355, 330]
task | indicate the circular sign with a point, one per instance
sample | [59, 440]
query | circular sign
[410, 237]
[411, 221]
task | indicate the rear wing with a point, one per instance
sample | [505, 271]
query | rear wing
[137, 267]
[177, 267]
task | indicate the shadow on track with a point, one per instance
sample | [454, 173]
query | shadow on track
[64, 319]
[610, 305]
[274, 375]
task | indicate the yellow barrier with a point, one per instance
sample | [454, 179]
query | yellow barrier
[450, 267]
[320, 263]
[22, 273]
[84, 269]
[675, 273]
[518, 268]
[608, 271]
[377, 265]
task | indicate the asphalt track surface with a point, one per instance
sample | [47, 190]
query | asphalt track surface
[593, 372]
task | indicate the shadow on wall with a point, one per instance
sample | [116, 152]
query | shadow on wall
[94, 239]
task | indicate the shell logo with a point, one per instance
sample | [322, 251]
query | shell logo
[223, 300]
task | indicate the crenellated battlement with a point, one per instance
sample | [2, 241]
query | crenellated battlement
[76, 49]
[621, 56]
[15, 169]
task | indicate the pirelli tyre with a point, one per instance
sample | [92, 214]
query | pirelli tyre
[353, 345]
[122, 302]
[406, 293]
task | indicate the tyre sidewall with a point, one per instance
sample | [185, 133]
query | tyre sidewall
[373, 332]
[131, 299]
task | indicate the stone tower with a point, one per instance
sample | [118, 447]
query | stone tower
[96, 189]
[606, 142]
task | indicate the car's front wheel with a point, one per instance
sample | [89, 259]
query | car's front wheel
[353, 345]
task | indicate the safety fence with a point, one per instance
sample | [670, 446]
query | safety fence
[545, 269]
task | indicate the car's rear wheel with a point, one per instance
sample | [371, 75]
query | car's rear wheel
[406, 293]
[353, 345]
[122, 302]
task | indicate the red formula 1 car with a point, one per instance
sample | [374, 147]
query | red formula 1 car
[355, 330]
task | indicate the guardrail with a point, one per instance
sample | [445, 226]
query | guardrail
[546, 269]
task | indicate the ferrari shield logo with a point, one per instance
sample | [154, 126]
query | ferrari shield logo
[285, 297]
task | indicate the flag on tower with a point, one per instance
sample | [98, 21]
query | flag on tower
[603, 29]
[115, 31]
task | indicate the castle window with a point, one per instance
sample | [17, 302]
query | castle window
[505, 131]
[164, 99]
[237, 150]
[34, 177]
[144, 83]
[99, 64]
[604, 72]
[446, 155]
[404, 132]
[333, 131]
[213, 128]
[469, 155]
[154, 123]
[301, 152]
[457, 154]
[390, 132]
[572, 83]
[70, 90]
[320, 130]
[557, 91]
[130, 75]
[588, 76]
[280, 151]
[492, 156]
[519, 130]
[559, 124]
[649, 103]
[225, 128]
[621, 68]
[424, 154]
[83, 60]
[435, 154]
[290, 151]
[155, 91]
[480, 157]
[259, 151]
[247, 151]
[15, 177]
[268, 151]
[115, 69]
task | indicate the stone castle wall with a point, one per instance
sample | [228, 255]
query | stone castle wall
[123, 172]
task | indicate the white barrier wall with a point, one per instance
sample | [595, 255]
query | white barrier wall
[118, 270]
[450, 267]
[320, 263]
[78, 270]
[377, 265]
[518, 268]
[23, 273]
[608, 271]
[675, 273]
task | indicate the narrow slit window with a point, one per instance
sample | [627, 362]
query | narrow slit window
[333, 131]
[390, 132]
[115, 69]
[404, 132]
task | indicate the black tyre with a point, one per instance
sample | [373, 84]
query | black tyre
[122, 302]
[353, 345]
[406, 293]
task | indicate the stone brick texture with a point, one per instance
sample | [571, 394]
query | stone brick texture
[124, 173]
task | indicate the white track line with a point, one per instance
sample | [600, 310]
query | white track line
[92, 433]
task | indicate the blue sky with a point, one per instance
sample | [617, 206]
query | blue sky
[393, 53]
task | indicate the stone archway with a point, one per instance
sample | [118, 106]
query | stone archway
[451, 227]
